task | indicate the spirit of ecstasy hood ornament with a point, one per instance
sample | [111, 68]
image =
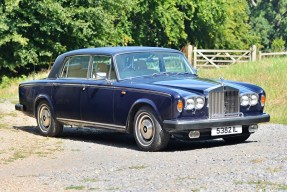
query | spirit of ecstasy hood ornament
[222, 81]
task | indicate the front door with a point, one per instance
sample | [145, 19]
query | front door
[97, 100]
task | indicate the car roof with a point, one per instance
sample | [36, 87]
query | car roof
[103, 51]
[117, 50]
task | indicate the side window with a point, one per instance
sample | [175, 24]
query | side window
[153, 64]
[76, 66]
[174, 64]
[102, 65]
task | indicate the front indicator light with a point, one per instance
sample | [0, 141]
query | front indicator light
[263, 99]
[179, 105]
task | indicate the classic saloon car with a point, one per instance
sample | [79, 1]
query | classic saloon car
[150, 92]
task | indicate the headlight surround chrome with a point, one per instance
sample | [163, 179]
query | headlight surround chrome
[189, 104]
[199, 103]
[194, 103]
[253, 99]
[249, 99]
[244, 100]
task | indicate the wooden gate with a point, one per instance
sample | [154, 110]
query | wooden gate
[218, 58]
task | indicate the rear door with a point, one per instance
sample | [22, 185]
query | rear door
[69, 86]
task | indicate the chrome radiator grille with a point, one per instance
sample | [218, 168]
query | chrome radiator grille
[223, 104]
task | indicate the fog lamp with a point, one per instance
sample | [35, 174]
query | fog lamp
[252, 128]
[194, 134]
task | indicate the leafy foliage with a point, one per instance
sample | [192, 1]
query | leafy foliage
[269, 21]
[221, 24]
[278, 45]
[160, 22]
[35, 32]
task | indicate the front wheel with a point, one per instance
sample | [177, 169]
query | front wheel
[47, 124]
[148, 132]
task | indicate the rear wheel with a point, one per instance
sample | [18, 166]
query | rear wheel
[47, 124]
[148, 132]
[237, 139]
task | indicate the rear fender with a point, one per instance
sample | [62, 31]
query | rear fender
[40, 98]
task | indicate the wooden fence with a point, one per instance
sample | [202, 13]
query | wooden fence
[274, 54]
[218, 58]
[222, 58]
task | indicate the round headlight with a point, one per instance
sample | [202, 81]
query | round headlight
[253, 100]
[244, 101]
[199, 103]
[190, 104]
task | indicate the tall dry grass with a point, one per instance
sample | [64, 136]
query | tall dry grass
[9, 86]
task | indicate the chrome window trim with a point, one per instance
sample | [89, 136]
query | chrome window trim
[67, 59]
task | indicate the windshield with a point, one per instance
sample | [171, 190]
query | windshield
[149, 63]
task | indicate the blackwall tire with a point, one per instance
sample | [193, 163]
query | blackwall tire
[47, 124]
[148, 132]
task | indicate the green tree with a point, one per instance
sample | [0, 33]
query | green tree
[278, 44]
[220, 24]
[10, 39]
[160, 22]
[35, 32]
[269, 21]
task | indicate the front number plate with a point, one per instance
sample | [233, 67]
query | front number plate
[228, 130]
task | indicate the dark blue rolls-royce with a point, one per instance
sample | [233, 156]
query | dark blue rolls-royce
[151, 92]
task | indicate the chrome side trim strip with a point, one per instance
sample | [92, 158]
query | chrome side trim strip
[81, 84]
[142, 91]
[92, 124]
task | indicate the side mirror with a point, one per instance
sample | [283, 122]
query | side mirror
[101, 75]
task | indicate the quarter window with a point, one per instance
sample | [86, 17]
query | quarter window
[76, 67]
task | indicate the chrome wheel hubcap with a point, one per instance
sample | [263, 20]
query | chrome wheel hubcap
[145, 129]
[44, 118]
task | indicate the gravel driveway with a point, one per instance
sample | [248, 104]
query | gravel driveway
[87, 159]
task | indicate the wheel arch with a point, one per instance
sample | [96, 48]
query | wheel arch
[40, 98]
[135, 107]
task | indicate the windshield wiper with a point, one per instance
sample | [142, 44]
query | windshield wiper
[162, 73]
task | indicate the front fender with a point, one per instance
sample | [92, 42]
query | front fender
[135, 107]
